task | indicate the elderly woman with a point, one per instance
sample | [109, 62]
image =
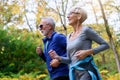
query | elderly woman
[79, 48]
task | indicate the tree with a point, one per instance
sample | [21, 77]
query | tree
[9, 13]
[110, 37]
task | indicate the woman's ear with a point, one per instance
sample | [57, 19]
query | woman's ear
[79, 17]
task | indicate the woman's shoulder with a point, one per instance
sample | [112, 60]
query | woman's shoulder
[87, 28]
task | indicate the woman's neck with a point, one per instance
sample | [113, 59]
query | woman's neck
[77, 27]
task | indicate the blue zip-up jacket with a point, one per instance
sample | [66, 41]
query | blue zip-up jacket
[56, 42]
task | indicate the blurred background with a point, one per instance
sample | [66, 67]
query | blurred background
[19, 35]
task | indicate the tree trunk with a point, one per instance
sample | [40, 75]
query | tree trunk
[62, 15]
[110, 37]
[103, 58]
[95, 14]
[28, 23]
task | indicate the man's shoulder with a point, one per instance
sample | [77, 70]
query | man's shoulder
[57, 35]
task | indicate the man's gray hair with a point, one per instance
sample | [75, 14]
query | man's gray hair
[50, 21]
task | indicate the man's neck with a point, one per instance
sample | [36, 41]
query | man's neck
[49, 34]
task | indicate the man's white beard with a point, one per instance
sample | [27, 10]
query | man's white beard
[45, 33]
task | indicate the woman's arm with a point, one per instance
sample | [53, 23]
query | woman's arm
[93, 35]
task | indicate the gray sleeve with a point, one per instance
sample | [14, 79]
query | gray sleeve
[92, 35]
[67, 59]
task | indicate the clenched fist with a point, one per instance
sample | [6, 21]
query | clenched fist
[39, 50]
[54, 63]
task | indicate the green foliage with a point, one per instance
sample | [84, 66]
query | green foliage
[17, 52]
[10, 12]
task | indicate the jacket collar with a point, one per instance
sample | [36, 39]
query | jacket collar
[49, 38]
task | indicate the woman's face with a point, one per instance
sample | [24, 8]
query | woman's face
[72, 18]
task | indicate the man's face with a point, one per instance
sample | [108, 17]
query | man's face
[44, 27]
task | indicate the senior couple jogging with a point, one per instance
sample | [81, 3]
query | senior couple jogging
[71, 57]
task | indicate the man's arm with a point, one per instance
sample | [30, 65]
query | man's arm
[39, 51]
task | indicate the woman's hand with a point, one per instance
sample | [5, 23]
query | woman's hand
[81, 54]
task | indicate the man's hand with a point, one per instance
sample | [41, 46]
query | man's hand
[39, 50]
[54, 55]
[54, 63]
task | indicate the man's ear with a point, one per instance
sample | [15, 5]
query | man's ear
[50, 27]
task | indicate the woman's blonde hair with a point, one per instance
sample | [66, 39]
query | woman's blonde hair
[80, 11]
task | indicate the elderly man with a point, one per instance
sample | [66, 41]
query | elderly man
[53, 41]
